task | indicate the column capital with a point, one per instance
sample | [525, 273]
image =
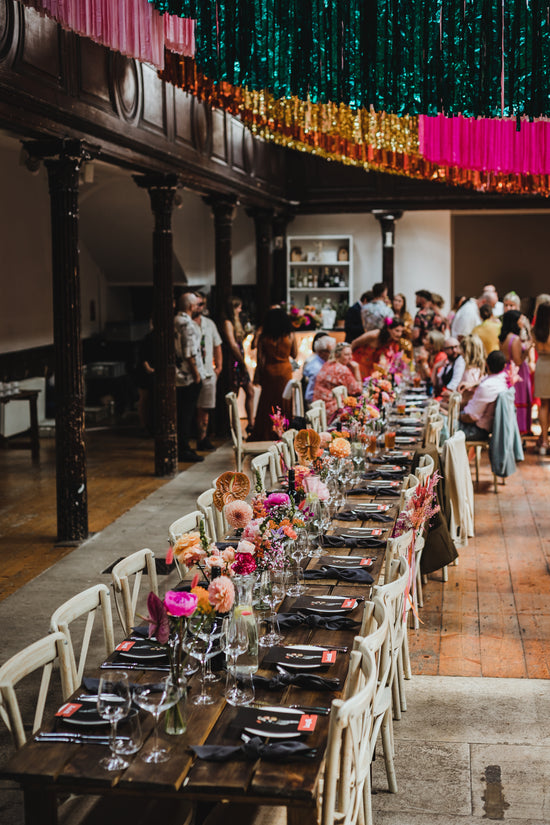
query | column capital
[223, 207]
[61, 149]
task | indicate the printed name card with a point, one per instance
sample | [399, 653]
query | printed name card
[307, 722]
[68, 709]
[125, 646]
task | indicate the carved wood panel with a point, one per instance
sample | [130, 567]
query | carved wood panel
[93, 74]
[10, 28]
[154, 105]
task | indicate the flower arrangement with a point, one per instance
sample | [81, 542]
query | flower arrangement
[340, 448]
[280, 423]
[361, 411]
[398, 365]
[238, 513]
[276, 519]
[378, 389]
[420, 509]
[306, 318]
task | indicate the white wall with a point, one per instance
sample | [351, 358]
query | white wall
[422, 249]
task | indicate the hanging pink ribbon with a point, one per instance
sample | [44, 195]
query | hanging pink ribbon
[486, 144]
[133, 27]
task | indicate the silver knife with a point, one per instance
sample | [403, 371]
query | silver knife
[75, 738]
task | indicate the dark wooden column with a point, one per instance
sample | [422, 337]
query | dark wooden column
[263, 225]
[280, 225]
[387, 225]
[223, 212]
[162, 192]
[63, 160]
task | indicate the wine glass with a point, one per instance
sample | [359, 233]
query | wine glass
[235, 643]
[113, 703]
[273, 591]
[200, 645]
[157, 697]
[298, 552]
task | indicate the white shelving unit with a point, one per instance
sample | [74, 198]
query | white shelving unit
[319, 269]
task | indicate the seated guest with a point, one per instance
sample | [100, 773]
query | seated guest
[430, 357]
[489, 329]
[323, 347]
[399, 306]
[339, 370]
[474, 365]
[450, 375]
[476, 419]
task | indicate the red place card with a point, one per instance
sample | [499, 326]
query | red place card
[307, 722]
[328, 657]
[68, 709]
[351, 603]
[125, 646]
[365, 563]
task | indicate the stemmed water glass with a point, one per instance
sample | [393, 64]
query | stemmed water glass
[298, 552]
[113, 703]
[272, 592]
[200, 645]
[157, 697]
[235, 643]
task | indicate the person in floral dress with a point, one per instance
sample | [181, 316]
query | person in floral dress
[339, 370]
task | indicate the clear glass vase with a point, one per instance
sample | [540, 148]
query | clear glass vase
[175, 718]
[244, 606]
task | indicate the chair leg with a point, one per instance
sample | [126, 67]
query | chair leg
[420, 595]
[401, 680]
[387, 744]
[495, 483]
[406, 657]
[445, 573]
[478, 460]
[396, 701]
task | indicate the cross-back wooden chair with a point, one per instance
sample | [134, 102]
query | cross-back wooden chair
[128, 570]
[40, 655]
[213, 521]
[375, 636]
[323, 407]
[314, 419]
[393, 594]
[241, 448]
[264, 466]
[340, 393]
[288, 438]
[86, 604]
[453, 412]
[293, 392]
[281, 459]
[190, 523]
[346, 795]
[434, 429]
[425, 469]
[410, 483]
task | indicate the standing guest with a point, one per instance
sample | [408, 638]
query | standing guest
[467, 317]
[276, 346]
[489, 329]
[474, 365]
[516, 352]
[511, 301]
[234, 335]
[374, 346]
[399, 306]
[375, 312]
[189, 372]
[497, 306]
[459, 300]
[476, 420]
[353, 323]
[450, 375]
[323, 348]
[440, 320]
[541, 334]
[211, 353]
[423, 320]
[339, 370]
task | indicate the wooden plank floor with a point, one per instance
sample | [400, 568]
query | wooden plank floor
[120, 474]
[492, 618]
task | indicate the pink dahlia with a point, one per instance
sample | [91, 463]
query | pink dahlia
[238, 514]
[180, 603]
[221, 594]
[244, 564]
[276, 500]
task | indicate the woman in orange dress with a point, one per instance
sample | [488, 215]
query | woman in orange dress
[374, 346]
[276, 345]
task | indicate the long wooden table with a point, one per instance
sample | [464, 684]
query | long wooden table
[46, 770]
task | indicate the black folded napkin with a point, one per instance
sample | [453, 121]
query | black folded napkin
[362, 515]
[223, 545]
[389, 475]
[373, 491]
[289, 620]
[255, 748]
[340, 541]
[308, 681]
[390, 458]
[345, 574]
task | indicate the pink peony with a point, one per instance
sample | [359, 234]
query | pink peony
[180, 604]
[276, 500]
[221, 594]
[246, 547]
[244, 564]
[238, 514]
[252, 529]
[228, 555]
[326, 438]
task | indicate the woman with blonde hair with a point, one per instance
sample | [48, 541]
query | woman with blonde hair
[431, 356]
[474, 358]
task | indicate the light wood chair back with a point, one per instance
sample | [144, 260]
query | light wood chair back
[433, 431]
[453, 411]
[214, 523]
[340, 393]
[393, 592]
[262, 465]
[410, 483]
[323, 407]
[295, 393]
[83, 605]
[314, 419]
[398, 546]
[281, 458]
[288, 439]
[431, 408]
[131, 569]
[40, 655]
[425, 469]
[241, 448]
[190, 523]
[347, 784]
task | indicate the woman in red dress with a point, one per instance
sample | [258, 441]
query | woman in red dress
[374, 346]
